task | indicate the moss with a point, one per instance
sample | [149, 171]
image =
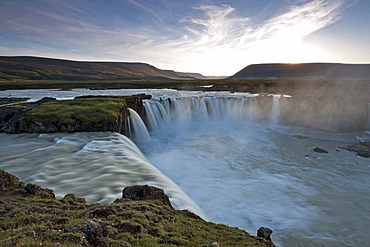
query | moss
[35, 221]
[86, 111]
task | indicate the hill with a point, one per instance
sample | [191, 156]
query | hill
[327, 71]
[36, 68]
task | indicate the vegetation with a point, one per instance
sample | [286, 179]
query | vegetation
[88, 111]
[31, 216]
[36, 68]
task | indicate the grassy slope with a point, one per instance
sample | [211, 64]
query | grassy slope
[35, 68]
[40, 219]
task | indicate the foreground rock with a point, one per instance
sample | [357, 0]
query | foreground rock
[83, 114]
[31, 216]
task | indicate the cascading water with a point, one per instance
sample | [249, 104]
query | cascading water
[137, 129]
[275, 112]
[96, 166]
[182, 110]
[223, 150]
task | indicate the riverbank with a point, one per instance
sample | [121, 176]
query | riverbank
[31, 215]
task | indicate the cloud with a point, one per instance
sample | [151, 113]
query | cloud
[214, 40]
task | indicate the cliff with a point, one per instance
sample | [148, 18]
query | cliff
[32, 216]
[83, 114]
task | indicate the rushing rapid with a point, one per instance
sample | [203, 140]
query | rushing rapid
[224, 156]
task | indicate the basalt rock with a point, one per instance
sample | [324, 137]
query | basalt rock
[264, 232]
[320, 150]
[84, 114]
[94, 233]
[145, 192]
[9, 183]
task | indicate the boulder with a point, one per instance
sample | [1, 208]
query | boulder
[36, 190]
[320, 150]
[264, 232]
[9, 183]
[94, 233]
[145, 192]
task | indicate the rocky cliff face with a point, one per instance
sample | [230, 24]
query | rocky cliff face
[83, 114]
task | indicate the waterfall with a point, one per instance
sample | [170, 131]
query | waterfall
[137, 128]
[275, 112]
[211, 108]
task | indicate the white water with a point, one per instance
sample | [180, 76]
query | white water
[137, 129]
[236, 169]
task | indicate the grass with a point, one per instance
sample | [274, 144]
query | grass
[34, 221]
[85, 111]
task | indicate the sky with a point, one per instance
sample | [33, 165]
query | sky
[211, 37]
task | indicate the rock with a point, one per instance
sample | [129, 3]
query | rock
[320, 150]
[264, 232]
[9, 183]
[146, 192]
[300, 136]
[143, 96]
[36, 190]
[94, 233]
[362, 149]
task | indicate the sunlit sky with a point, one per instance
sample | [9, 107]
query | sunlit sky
[204, 36]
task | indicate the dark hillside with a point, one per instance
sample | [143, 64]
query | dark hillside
[326, 71]
[35, 68]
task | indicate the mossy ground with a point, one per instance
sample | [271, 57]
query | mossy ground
[35, 221]
[89, 111]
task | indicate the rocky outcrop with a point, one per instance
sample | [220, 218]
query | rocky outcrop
[146, 192]
[32, 216]
[10, 185]
[83, 114]
[362, 149]
[264, 232]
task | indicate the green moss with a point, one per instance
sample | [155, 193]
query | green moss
[86, 111]
[32, 221]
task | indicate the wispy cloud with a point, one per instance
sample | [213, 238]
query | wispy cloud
[211, 39]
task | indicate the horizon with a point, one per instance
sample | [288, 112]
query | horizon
[206, 37]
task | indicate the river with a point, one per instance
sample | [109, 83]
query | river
[230, 164]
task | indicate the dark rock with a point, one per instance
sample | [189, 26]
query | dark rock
[362, 149]
[94, 233]
[9, 183]
[264, 232]
[146, 192]
[320, 150]
[143, 96]
[73, 199]
[300, 136]
[102, 212]
[36, 190]
[19, 192]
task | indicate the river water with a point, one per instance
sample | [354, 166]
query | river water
[224, 164]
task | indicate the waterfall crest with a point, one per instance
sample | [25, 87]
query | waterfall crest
[182, 110]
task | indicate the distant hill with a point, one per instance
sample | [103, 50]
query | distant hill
[36, 68]
[329, 71]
